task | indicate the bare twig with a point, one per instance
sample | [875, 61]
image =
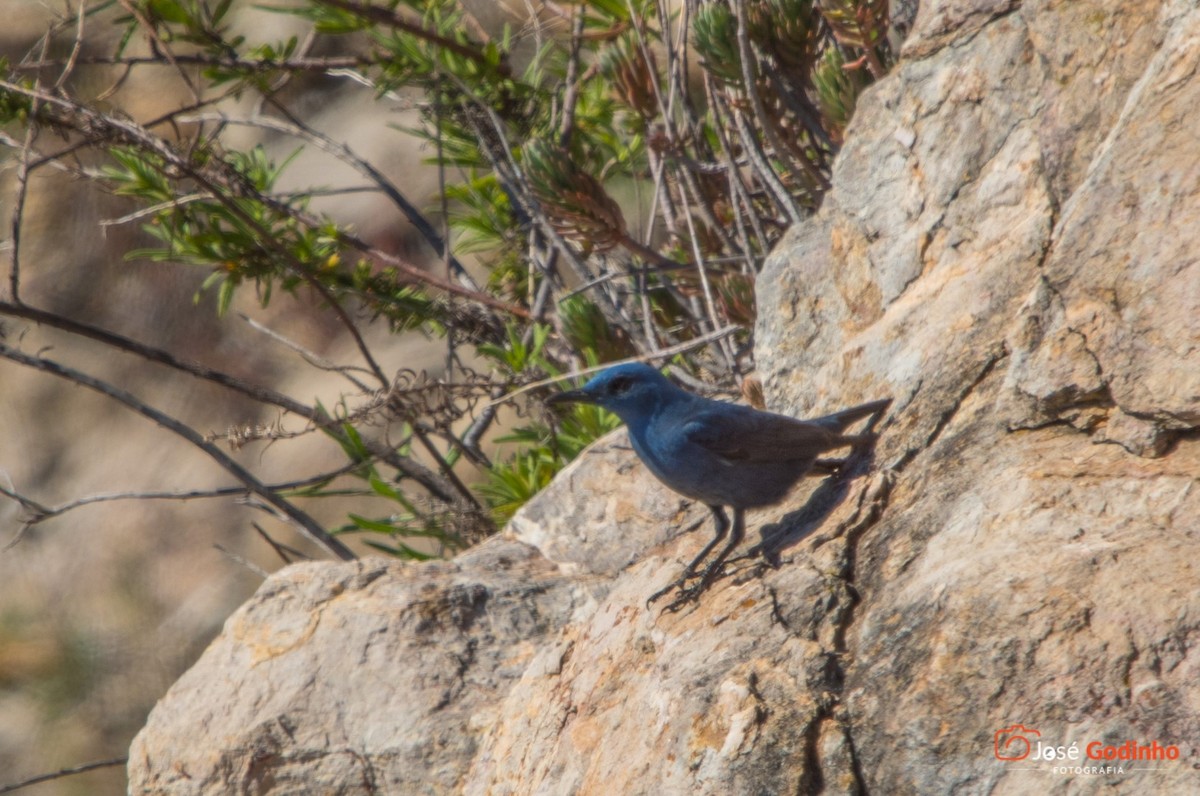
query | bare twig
[76, 47]
[767, 174]
[161, 356]
[567, 128]
[740, 191]
[23, 169]
[302, 520]
[702, 273]
[160, 46]
[310, 357]
[14, 274]
[65, 772]
[665, 353]
[237, 559]
[39, 513]
[436, 485]
[320, 64]
[282, 550]
[385, 16]
[137, 215]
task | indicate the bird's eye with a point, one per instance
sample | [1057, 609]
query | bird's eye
[620, 385]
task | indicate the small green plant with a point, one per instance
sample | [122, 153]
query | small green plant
[543, 451]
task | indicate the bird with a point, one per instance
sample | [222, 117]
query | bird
[721, 454]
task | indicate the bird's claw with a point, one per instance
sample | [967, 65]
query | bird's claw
[690, 594]
[686, 593]
[653, 598]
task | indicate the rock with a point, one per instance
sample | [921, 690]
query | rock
[737, 696]
[366, 677]
[1008, 250]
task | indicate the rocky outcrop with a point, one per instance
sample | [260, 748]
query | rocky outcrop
[1009, 251]
[360, 678]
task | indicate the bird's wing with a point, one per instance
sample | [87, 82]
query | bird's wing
[748, 435]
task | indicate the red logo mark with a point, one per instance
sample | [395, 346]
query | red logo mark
[1015, 742]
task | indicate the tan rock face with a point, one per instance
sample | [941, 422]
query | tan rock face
[1010, 251]
[355, 678]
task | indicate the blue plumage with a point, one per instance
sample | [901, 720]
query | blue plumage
[719, 453]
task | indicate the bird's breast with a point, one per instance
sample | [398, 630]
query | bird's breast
[683, 466]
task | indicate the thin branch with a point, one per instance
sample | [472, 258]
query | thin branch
[90, 137]
[567, 128]
[392, 19]
[158, 45]
[76, 48]
[282, 550]
[14, 275]
[739, 188]
[137, 215]
[446, 470]
[479, 426]
[386, 453]
[260, 394]
[758, 159]
[39, 513]
[321, 64]
[702, 272]
[279, 83]
[65, 772]
[245, 562]
[23, 169]
[665, 353]
[748, 80]
[310, 357]
[29, 504]
[330, 299]
[306, 523]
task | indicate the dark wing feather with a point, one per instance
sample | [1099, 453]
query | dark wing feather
[751, 436]
[838, 421]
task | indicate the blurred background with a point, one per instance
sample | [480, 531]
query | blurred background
[103, 607]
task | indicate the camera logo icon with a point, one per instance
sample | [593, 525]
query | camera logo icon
[1015, 742]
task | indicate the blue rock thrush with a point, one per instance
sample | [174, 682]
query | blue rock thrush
[718, 453]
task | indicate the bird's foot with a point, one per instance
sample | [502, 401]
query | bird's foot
[687, 593]
[680, 584]
[684, 594]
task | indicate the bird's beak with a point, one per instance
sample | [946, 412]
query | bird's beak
[570, 396]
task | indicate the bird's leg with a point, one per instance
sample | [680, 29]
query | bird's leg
[722, 526]
[735, 538]
[722, 523]
[687, 594]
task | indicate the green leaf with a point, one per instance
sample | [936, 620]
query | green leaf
[225, 296]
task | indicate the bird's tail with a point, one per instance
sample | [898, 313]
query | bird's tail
[840, 421]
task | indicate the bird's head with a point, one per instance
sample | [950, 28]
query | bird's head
[629, 391]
